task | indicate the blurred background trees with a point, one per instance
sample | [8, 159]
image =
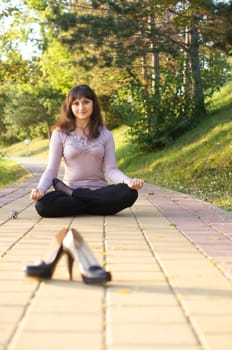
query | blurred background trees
[153, 64]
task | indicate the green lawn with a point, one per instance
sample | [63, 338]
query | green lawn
[11, 172]
[199, 163]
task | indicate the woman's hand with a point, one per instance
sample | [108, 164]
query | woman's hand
[135, 184]
[36, 194]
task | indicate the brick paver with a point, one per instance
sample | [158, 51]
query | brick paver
[171, 260]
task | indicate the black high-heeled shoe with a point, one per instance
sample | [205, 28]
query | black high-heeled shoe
[46, 268]
[78, 250]
[60, 186]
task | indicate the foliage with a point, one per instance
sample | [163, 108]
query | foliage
[153, 128]
[174, 52]
[29, 111]
[167, 48]
[198, 163]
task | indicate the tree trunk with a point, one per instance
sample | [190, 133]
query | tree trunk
[48, 130]
[187, 73]
[198, 95]
[155, 64]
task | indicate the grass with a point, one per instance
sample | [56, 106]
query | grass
[37, 148]
[11, 172]
[199, 163]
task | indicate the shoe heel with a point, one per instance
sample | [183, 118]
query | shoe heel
[46, 268]
[70, 261]
[78, 250]
[91, 271]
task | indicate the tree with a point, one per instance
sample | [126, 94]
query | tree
[159, 45]
[29, 109]
[159, 59]
[222, 32]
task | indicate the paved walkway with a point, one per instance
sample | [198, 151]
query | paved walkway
[171, 261]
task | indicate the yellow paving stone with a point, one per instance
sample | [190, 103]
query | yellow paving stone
[124, 236]
[16, 274]
[129, 253]
[124, 314]
[9, 285]
[220, 324]
[165, 293]
[213, 307]
[57, 340]
[132, 267]
[140, 295]
[180, 255]
[138, 276]
[141, 260]
[219, 341]
[216, 283]
[200, 293]
[14, 298]
[10, 313]
[70, 289]
[151, 347]
[6, 331]
[146, 334]
[62, 305]
[127, 246]
[64, 322]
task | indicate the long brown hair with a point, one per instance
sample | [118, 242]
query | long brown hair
[67, 120]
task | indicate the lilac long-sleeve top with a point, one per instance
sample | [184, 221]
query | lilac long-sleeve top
[87, 163]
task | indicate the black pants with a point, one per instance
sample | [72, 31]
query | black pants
[107, 200]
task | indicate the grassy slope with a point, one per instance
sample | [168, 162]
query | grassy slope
[11, 172]
[37, 148]
[199, 163]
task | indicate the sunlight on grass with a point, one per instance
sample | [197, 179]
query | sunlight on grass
[222, 98]
[199, 163]
[11, 172]
[36, 148]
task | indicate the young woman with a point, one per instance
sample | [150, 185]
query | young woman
[87, 148]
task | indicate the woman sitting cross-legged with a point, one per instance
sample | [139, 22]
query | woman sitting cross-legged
[87, 148]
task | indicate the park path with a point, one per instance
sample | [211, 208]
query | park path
[171, 260]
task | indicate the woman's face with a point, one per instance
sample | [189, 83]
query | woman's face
[82, 108]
